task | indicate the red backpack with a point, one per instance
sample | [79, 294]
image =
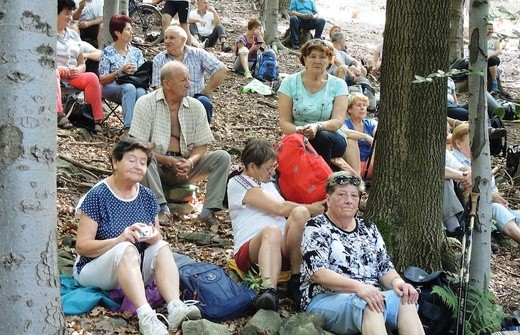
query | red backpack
[302, 172]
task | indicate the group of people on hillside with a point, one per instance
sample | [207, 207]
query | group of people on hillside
[338, 262]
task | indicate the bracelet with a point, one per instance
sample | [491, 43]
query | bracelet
[320, 126]
[191, 163]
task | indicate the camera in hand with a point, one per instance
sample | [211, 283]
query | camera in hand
[145, 231]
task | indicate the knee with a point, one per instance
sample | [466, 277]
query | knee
[294, 20]
[243, 51]
[130, 256]
[272, 235]
[300, 215]
[129, 89]
[223, 157]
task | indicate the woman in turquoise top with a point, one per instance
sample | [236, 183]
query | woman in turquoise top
[121, 58]
[314, 103]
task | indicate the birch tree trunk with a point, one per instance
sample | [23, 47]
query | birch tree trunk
[270, 23]
[111, 8]
[456, 30]
[29, 287]
[407, 193]
[480, 155]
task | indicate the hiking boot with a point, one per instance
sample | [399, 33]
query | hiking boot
[181, 312]
[248, 75]
[225, 47]
[266, 299]
[293, 289]
[497, 133]
[151, 325]
[207, 216]
[164, 218]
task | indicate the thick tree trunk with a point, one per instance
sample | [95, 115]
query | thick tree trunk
[480, 156]
[407, 189]
[456, 30]
[270, 22]
[29, 288]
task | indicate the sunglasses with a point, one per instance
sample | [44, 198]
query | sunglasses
[345, 180]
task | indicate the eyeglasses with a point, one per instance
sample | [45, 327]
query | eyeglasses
[344, 180]
[270, 170]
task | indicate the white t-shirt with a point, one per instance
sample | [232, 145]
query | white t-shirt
[92, 10]
[207, 29]
[245, 220]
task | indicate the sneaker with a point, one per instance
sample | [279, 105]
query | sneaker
[151, 325]
[494, 86]
[207, 216]
[164, 217]
[293, 289]
[225, 47]
[266, 299]
[97, 129]
[183, 311]
[248, 75]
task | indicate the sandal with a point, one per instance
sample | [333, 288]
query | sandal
[63, 122]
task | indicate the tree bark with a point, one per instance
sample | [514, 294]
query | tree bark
[270, 22]
[480, 155]
[407, 193]
[30, 288]
[456, 30]
[111, 8]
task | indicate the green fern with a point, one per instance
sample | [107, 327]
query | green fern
[255, 281]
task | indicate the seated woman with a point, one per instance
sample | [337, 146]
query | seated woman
[494, 48]
[119, 240]
[362, 130]
[507, 220]
[71, 65]
[121, 58]
[267, 229]
[313, 103]
[344, 265]
[247, 47]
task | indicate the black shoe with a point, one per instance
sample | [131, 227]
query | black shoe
[293, 289]
[494, 247]
[266, 299]
[458, 232]
[497, 133]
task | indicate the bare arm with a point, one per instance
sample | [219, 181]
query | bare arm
[406, 291]
[285, 114]
[260, 199]
[216, 17]
[216, 79]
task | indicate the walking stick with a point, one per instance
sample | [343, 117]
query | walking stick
[465, 260]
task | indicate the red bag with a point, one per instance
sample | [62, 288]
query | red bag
[302, 172]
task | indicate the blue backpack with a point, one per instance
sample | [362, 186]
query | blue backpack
[220, 297]
[266, 66]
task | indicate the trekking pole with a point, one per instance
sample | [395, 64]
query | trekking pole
[467, 245]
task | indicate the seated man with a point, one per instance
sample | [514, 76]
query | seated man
[178, 127]
[90, 21]
[345, 66]
[304, 15]
[196, 60]
[377, 59]
[206, 28]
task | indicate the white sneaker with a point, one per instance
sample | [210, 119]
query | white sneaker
[150, 325]
[183, 311]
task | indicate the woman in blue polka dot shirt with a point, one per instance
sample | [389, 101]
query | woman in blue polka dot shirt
[119, 240]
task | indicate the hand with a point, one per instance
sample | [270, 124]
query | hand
[82, 4]
[73, 72]
[181, 166]
[154, 235]
[82, 24]
[310, 130]
[317, 208]
[129, 68]
[407, 292]
[374, 298]
[64, 71]
[466, 181]
[499, 199]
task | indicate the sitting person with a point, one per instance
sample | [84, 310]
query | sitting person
[362, 130]
[494, 48]
[121, 58]
[313, 103]
[507, 220]
[304, 15]
[267, 230]
[206, 27]
[71, 65]
[345, 263]
[247, 47]
[377, 59]
[177, 125]
[89, 16]
[198, 62]
[119, 240]
[345, 66]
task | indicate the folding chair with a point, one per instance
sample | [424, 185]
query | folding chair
[111, 109]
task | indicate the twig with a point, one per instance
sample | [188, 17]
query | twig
[85, 166]
[88, 143]
[252, 127]
[508, 271]
[268, 104]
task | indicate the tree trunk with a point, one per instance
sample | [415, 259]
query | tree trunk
[270, 21]
[407, 191]
[30, 288]
[111, 8]
[456, 30]
[480, 156]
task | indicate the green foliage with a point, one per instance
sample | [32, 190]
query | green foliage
[483, 313]
[255, 281]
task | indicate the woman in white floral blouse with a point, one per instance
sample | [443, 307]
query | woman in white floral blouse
[345, 263]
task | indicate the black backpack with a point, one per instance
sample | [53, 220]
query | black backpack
[435, 315]
[498, 147]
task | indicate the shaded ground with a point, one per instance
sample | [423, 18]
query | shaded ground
[238, 116]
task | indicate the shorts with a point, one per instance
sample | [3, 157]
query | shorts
[343, 312]
[244, 263]
[177, 7]
[102, 271]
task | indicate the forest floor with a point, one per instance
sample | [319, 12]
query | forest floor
[238, 116]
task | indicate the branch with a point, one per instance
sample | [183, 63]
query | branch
[508, 271]
[85, 166]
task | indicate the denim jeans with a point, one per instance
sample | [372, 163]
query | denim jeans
[212, 38]
[126, 95]
[295, 23]
[207, 103]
